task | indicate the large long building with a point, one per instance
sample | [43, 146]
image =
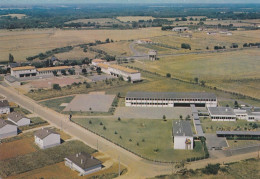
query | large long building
[170, 99]
[31, 71]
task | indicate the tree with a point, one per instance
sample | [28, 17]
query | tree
[84, 71]
[164, 117]
[11, 58]
[187, 118]
[55, 73]
[129, 79]
[119, 119]
[202, 82]
[107, 40]
[181, 117]
[63, 72]
[211, 169]
[56, 87]
[71, 71]
[196, 79]
[88, 85]
[168, 75]
[185, 46]
[98, 70]
[236, 105]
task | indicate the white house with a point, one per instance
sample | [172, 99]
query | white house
[222, 114]
[169, 99]
[248, 113]
[84, 163]
[182, 135]
[7, 129]
[46, 138]
[25, 71]
[97, 61]
[18, 119]
[4, 107]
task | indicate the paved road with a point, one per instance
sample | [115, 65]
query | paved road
[137, 167]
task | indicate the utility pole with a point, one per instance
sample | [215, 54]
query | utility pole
[119, 166]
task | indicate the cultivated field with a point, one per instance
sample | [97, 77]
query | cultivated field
[135, 135]
[24, 43]
[10, 149]
[101, 21]
[76, 54]
[134, 18]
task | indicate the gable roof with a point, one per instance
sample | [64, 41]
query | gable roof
[84, 160]
[4, 103]
[124, 69]
[182, 128]
[4, 123]
[23, 68]
[44, 132]
[15, 116]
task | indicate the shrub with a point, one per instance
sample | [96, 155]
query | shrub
[185, 46]
[211, 169]
[56, 87]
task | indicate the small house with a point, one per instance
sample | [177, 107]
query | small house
[7, 129]
[84, 163]
[182, 135]
[46, 138]
[4, 107]
[18, 119]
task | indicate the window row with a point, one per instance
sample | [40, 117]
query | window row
[150, 99]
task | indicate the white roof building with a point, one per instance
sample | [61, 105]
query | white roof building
[46, 138]
[222, 114]
[4, 107]
[182, 135]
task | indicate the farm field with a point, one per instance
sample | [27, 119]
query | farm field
[222, 70]
[135, 135]
[24, 43]
[134, 18]
[213, 126]
[41, 158]
[10, 149]
[76, 54]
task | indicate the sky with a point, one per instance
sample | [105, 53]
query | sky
[123, 1]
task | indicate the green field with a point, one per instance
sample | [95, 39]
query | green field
[213, 126]
[55, 103]
[151, 139]
[233, 71]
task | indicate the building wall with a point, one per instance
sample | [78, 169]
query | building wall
[165, 103]
[49, 141]
[80, 170]
[179, 143]
[23, 72]
[21, 122]
[4, 110]
[222, 118]
[8, 131]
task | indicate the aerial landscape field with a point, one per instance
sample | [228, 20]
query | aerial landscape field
[129, 89]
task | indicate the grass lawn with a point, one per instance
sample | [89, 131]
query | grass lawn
[41, 158]
[149, 138]
[242, 143]
[55, 103]
[21, 110]
[35, 122]
[213, 126]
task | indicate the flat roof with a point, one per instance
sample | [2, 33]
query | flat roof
[238, 132]
[127, 70]
[182, 128]
[221, 111]
[102, 65]
[53, 68]
[23, 68]
[171, 95]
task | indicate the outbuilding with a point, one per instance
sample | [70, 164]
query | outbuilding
[7, 129]
[46, 138]
[222, 114]
[84, 163]
[4, 107]
[182, 135]
[18, 119]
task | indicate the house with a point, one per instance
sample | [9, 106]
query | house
[18, 119]
[180, 29]
[144, 41]
[46, 138]
[222, 114]
[152, 55]
[7, 129]
[169, 99]
[4, 107]
[248, 113]
[182, 135]
[84, 163]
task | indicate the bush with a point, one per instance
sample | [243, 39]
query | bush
[185, 46]
[56, 87]
[168, 75]
[211, 169]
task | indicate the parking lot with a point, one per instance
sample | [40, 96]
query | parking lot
[90, 102]
[213, 142]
